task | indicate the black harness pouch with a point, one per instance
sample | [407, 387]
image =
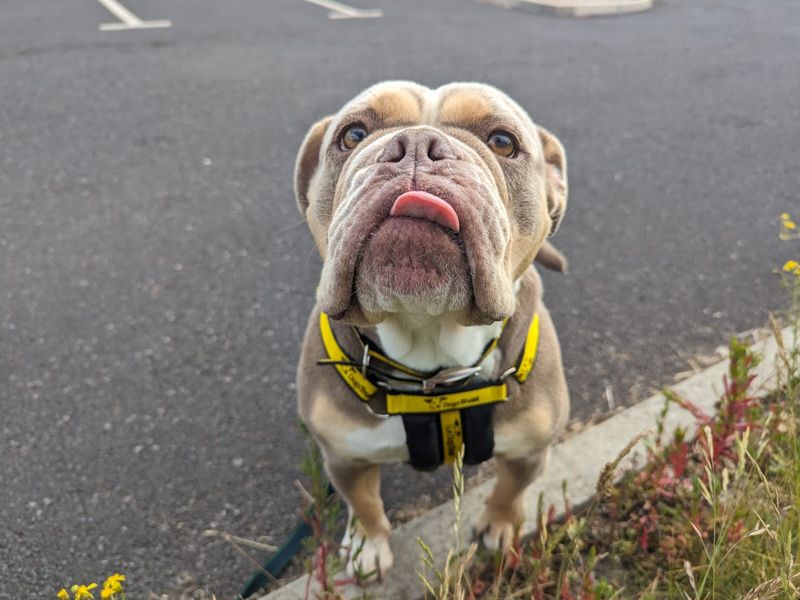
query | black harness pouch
[476, 427]
[423, 439]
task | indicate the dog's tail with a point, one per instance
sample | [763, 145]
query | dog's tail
[551, 257]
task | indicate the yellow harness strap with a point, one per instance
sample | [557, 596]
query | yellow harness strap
[525, 365]
[355, 380]
[399, 404]
[448, 406]
[394, 364]
[452, 435]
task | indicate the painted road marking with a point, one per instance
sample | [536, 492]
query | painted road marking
[128, 20]
[342, 11]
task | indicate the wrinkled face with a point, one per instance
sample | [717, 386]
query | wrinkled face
[428, 201]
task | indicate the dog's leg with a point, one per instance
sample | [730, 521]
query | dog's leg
[505, 507]
[367, 535]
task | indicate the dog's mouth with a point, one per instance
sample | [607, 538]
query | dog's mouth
[423, 205]
[415, 259]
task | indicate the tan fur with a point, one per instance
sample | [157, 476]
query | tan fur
[328, 424]
[361, 485]
[549, 256]
[505, 506]
[398, 105]
[465, 106]
[512, 206]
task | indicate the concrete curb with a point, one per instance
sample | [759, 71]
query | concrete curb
[579, 8]
[604, 440]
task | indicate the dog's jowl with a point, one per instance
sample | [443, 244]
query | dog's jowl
[429, 336]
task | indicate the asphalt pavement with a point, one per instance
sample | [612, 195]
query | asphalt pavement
[155, 276]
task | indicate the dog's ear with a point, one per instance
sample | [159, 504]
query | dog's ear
[555, 177]
[551, 257]
[308, 161]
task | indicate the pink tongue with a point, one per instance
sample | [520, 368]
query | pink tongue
[422, 205]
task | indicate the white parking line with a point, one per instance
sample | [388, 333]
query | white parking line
[342, 11]
[128, 20]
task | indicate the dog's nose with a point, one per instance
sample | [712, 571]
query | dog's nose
[418, 146]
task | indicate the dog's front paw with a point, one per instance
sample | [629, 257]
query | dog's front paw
[368, 558]
[494, 531]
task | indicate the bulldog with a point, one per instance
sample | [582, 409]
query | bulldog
[428, 207]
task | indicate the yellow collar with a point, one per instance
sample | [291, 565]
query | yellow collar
[355, 374]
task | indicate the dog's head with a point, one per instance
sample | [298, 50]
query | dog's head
[428, 201]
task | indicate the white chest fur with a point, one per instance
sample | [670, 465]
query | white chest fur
[385, 443]
[426, 343]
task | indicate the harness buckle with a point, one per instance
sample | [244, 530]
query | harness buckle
[365, 360]
[508, 372]
[448, 376]
[382, 416]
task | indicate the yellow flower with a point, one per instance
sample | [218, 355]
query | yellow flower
[792, 266]
[789, 229]
[112, 586]
[63, 594]
[84, 592]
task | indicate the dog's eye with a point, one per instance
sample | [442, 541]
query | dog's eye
[502, 143]
[352, 136]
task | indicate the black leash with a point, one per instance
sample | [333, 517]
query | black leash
[274, 565]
